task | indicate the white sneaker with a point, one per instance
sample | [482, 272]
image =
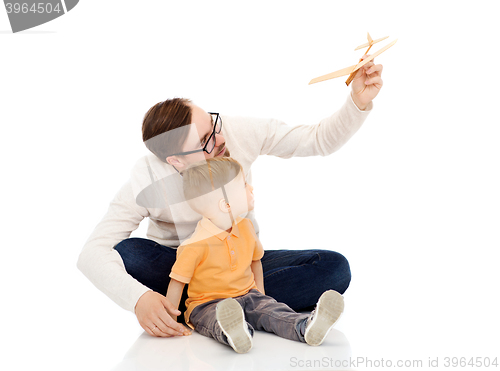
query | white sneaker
[328, 310]
[231, 319]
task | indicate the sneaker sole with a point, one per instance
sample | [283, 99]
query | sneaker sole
[330, 307]
[232, 322]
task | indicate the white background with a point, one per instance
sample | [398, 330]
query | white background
[411, 200]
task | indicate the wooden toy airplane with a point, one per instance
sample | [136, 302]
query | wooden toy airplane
[351, 70]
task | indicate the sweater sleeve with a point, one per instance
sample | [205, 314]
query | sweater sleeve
[101, 263]
[322, 139]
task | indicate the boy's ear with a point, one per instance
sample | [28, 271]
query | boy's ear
[224, 206]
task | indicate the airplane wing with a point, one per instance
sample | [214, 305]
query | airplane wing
[343, 72]
[348, 70]
[377, 53]
[368, 43]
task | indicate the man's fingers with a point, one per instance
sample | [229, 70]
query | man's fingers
[155, 319]
[148, 330]
[168, 320]
[169, 328]
[377, 80]
[158, 331]
[368, 65]
[375, 69]
[173, 327]
[153, 331]
[170, 308]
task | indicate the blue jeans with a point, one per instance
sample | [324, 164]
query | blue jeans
[262, 313]
[294, 277]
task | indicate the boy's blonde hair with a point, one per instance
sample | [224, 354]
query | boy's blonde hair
[206, 176]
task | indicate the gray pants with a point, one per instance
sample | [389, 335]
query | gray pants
[261, 313]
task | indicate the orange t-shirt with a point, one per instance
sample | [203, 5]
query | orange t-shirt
[215, 263]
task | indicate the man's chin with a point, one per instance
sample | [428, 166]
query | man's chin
[226, 154]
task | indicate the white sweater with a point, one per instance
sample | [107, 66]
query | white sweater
[153, 184]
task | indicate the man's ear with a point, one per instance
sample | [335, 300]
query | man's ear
[173, 160]
[224, 206]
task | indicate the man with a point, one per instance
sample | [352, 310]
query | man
[134, 272]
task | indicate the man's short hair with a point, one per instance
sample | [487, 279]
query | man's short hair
[166, 126]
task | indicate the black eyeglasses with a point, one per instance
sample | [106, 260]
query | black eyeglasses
[209, 145]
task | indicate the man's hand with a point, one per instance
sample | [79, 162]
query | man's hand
[367, 84]
[154, 313]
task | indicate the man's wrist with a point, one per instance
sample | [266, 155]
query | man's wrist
[140, 297]
[358, 104]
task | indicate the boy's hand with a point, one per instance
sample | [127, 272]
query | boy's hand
[154, 313]
[367, 84]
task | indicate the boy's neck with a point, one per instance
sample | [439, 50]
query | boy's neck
[223, 223]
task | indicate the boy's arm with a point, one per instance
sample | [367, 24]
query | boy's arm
[174, 293]
[258, 275]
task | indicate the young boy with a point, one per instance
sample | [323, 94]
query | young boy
[221, 263]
